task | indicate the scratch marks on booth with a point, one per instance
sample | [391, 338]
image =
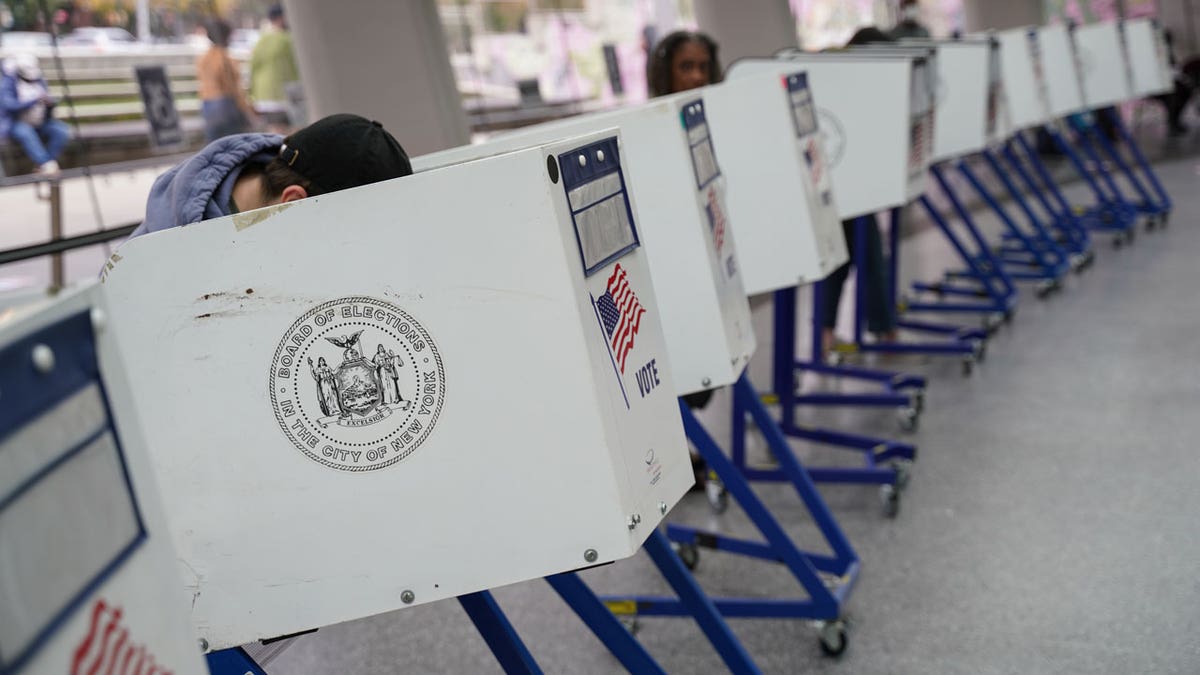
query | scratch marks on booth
[242, 221]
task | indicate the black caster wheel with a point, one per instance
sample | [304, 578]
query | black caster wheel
[1044, 289]
[903, 469]
[1009, 314]
[968, 366]
[1118, 241]
[889, 499]
[917, 401]
[630, 623]
[717, 495]
[980, 351]
[832, 638]
[689, 554]
[908, 418]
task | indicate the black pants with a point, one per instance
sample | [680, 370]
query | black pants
[881, 316]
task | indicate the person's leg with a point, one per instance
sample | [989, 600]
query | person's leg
[56, 135]
[832, 288]
[881, 317]
[27, 136]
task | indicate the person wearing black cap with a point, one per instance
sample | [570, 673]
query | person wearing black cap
[249, 171]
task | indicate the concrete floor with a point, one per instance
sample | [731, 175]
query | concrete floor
[1050, 525]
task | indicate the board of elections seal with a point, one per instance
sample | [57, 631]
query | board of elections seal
[357, 384]
[833, 136]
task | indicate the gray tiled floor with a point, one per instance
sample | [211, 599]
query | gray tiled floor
[1050, 527]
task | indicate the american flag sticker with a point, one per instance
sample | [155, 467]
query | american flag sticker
[620, 314]
[108, 650]
[716, 219]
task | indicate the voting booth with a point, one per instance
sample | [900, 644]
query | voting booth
[88, 577]
[679, 181]
[1024, 78]
[780, 189]
[403, 392]
[876, 133]
[1061, 68]
[1103, 69]
[1146, 50]
[970, 97]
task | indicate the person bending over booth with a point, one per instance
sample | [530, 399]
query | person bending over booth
[244, 172]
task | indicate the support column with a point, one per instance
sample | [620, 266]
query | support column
[747, 28]
[384, 60]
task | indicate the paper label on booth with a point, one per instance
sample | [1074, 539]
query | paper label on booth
[357, 384]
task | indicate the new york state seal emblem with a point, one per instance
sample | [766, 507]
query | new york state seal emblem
[357, 384]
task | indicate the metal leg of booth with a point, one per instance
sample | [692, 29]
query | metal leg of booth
[826, 579]
[1068, 220]
[1108, 214]
[1117, 214]
[498, 633]
[618, 639]
[993, 299]
[1067, 235]
[987, 270]
[232, 661]
[1147, 204]
[1039, 248]
[1164, 199]
[1044, 271]
[966, 343]
[902, 391]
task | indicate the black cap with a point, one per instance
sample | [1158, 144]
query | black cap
[344, 151]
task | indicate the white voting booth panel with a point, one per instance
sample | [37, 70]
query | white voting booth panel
[403, 392]
[966, 112]
[999, 119]
[873, 132]
[1061, 68]
[1024, 79]
[780, 187]
[1146, 51]
[685, 225]
[1103, 68]
[88, 578]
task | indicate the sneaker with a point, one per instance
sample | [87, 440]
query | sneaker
[49, 169]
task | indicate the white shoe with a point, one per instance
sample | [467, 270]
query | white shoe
[49, 169]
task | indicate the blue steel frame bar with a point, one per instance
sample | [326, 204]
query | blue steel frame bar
[499, 634]
[232, 661]
[1071, 236]
[785, 364]
[1087, 137]
[1045, 252]
[1068, 218]
[955, 345]
[1044, 270]
[1110, 213]
[1165, 203]
[985, 268]
[823, 602]
[1147, 204]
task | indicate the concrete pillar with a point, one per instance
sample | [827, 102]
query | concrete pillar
[747, 28]
[989, 14]
[382, 59]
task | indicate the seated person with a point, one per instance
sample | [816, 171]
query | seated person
[249, 171]
[27, 113]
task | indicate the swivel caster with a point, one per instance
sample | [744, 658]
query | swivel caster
[968, 366]
[908, 418]
[917, 401]
[1009, 314]
[689, 555]
[717, 495]
[980, 352]
[903, 469]
[1118, 241]
[832, 637]
[630, 622]
[1044, 289]
[889, 498]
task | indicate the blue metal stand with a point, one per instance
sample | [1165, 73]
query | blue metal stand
[1063, 227]
[1039, 267]
[1112, 213]
[826, 595]
[1163, 203]
[985, 276]
[233, 661]
[1067, 220]
[899, 390]
[499, 634]
[1148, 204]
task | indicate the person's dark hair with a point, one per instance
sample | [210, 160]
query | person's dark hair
[867, 35]
[658, 68]
[277, 175]
[275, 12]
[219, 31]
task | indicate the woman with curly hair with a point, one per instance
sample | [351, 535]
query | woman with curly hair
[683, 60]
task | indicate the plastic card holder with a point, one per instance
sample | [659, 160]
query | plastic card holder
[599, 201]
[68, 514]
[704, 160]
[804, 114]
